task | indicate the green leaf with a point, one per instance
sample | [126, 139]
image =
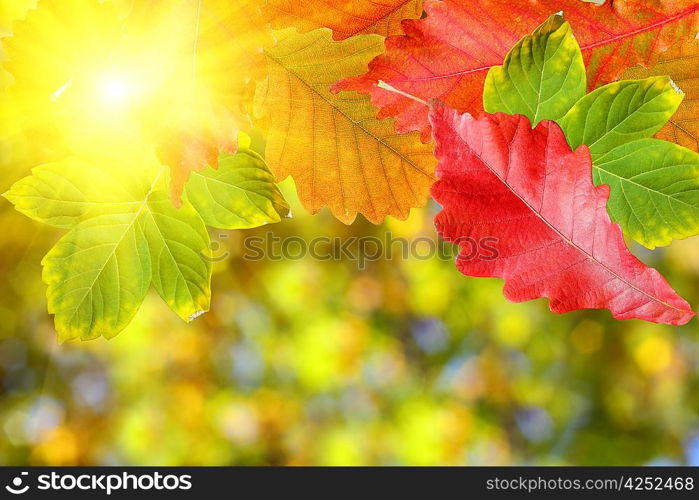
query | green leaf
[542, 77]
[621, 112]
[97, 276]
[178, 242]
[125, 233]
[241, 193]
[654, 190]
[65, 193]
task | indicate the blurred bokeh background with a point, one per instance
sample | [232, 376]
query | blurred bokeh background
[310, 362]
[318, 362]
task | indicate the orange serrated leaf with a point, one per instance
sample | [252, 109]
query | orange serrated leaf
[681, 63]
[338, 153]
[346, 18]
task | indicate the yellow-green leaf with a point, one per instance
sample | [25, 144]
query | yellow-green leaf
[241, 193]
[654, 190]
[177, 243]
[125, 233]
[65, 193]
[621, 112]
[542, 77]
[97, 276]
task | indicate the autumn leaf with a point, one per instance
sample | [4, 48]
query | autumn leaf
[239, 194]
[653, 183]
[125, 233]
[681, 63]
[338, 153]
[446, 55]
[345, 18]
[121, 238]
[526, 190]
[99, 272]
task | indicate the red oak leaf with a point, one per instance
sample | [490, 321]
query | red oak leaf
[447, 55]
[530, 202]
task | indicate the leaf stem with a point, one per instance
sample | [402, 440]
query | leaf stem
[391, 88]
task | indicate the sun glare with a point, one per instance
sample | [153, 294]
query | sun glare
[115, 90]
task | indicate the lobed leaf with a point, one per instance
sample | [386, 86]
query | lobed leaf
[531, 199]
[239, 194]
[338, 153]
[124, 232]
[542, 77]
[346, 18]
[97, 276]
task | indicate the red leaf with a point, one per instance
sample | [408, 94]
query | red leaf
[534, 198]
[447, 55]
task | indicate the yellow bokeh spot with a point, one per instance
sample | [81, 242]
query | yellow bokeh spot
[587, 337]
[341, 448]
[513, 329]
[420, 431]
[653, 355]
[60, 447]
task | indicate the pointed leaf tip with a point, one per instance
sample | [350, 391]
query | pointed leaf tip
[526, 190]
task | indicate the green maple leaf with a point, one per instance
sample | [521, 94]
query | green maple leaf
[99, 272]
[62, 194]
[125, 233]
[654, 186]
[239, 194]
[97, 276]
